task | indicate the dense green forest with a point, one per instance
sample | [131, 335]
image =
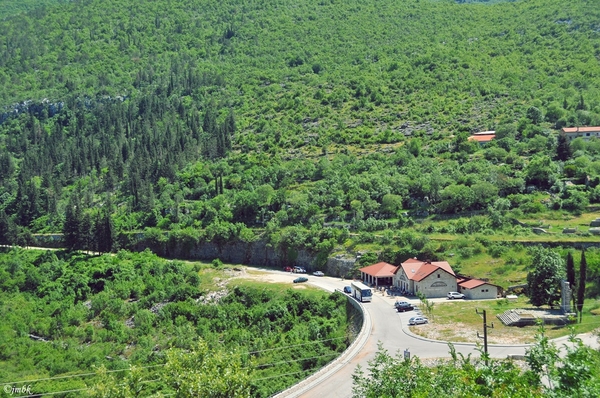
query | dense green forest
[316, 125]
[321, 126]
[120, 116]
[10, 8]
[70, 314]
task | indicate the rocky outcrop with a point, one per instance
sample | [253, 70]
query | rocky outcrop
[340, 265]
[259, 253]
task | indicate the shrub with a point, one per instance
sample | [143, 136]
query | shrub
[496, 250]
[465, 252]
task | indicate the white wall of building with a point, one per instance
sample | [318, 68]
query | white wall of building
[437, 284]
[481, 292]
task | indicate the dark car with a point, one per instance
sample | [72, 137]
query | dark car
[300, 279]
[403, 306]
[347, 290]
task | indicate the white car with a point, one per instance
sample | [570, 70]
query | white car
[417, 320]
[318, 273]
[455, 295]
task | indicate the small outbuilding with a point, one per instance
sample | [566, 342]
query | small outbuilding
[477, 289]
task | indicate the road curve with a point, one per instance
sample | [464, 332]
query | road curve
[390, 329]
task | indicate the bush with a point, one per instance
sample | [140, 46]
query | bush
[496, 250]
[465, 252]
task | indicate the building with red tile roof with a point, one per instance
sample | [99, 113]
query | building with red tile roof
[432, 278]
[585, 133]
[380, 274]
[482, 138]
[478, 289]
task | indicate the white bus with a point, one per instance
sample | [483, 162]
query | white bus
[361, 292]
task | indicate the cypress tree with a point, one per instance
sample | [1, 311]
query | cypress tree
[571, 274]
[581, 288]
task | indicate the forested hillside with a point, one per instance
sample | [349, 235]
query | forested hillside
[10, 8]
[70, 315]
[294, 121]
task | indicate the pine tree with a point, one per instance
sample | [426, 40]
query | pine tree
[581, 104]
[73, 224]
[581, 288]
[229, 127]
[563, 148]
[210, 128]
[6, 225]
[104, 230]
[86, 232]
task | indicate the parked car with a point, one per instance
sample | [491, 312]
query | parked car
[300, 279]
[397, 303]
[403, 306]
[347, 290]
[417, 320]
[318, 273]
[455, 295]
[287, 269]
[299, 270]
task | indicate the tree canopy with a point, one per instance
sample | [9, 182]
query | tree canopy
[544, 278]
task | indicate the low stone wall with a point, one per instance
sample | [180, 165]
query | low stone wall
[360, 329]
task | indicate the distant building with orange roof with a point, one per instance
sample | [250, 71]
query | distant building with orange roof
[581, 132]
[483, 138]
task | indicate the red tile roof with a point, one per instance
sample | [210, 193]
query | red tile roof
[418, 270]
[380, 270]
[482, 137]
[580, 129]
[471, 284]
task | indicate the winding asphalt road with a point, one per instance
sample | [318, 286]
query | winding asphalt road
[390, 329]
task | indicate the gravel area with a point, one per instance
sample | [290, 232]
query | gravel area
[460, 332]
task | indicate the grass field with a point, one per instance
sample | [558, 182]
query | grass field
[460, 321]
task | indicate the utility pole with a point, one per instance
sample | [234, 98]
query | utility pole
[485, 328]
